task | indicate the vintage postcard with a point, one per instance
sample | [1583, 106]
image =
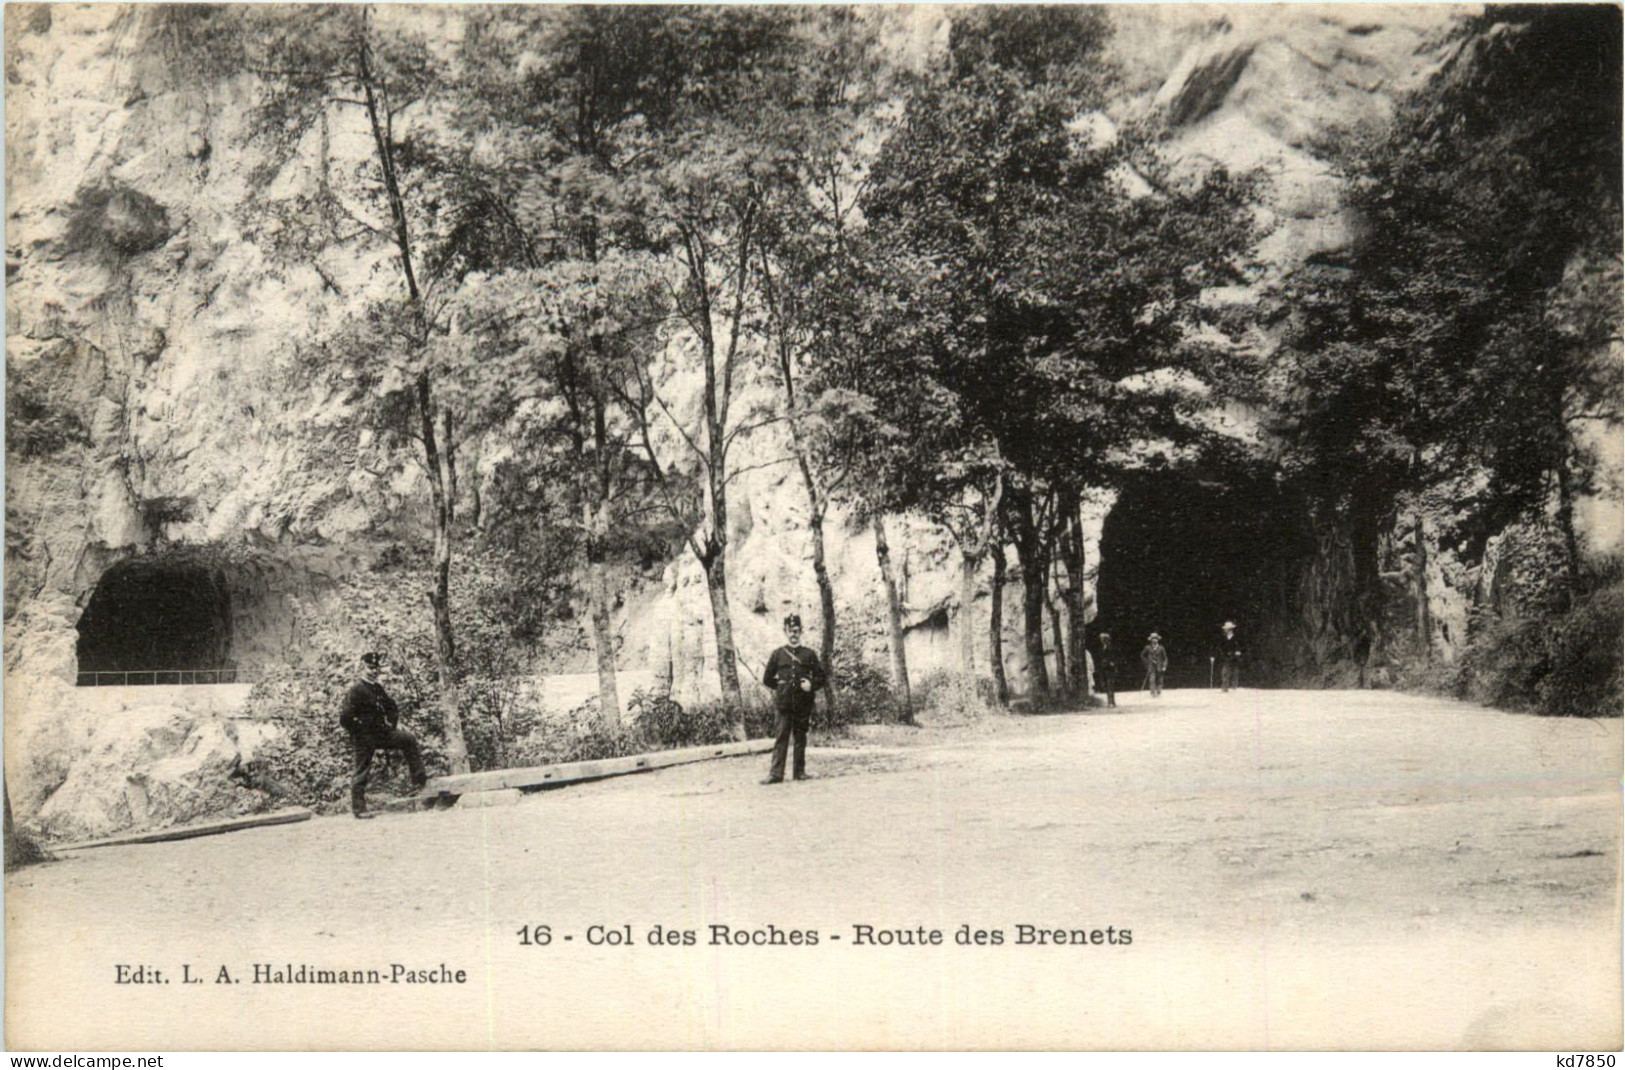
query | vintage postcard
[844, 527]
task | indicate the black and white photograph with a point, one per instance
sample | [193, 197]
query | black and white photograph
[841, 528]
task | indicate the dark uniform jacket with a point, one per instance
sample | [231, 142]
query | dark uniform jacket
[1105, 655]
[1229, 648]
[368, 710]
[786, 668]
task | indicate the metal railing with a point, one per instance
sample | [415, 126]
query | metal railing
[164, 677]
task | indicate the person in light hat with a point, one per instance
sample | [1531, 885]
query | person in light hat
[1229, 656]
[1155, 659]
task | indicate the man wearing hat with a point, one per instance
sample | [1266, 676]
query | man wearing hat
[1106, 667]
[371, 717]
[794, 674]
[1155, 659]
[1229, 656]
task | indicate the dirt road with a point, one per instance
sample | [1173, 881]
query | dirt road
[1254, 870]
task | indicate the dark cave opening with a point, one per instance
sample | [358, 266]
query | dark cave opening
[157, 622]
[1180, 555]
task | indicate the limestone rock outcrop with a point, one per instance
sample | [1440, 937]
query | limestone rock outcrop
[147, 321]
[151, 766]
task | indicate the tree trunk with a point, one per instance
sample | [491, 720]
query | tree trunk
[894, 621]
[1032, 605]
[1034, 561]
[449, 452]
[1058, 636]
[1424, 621]
[995, 638]
[440, 597]
[716, 583]
[1367, 519]
[968, 564]
[815, 533]
[826, 604]
[603, 635]
[1565, 521]
[816, 502]
[1072, 552]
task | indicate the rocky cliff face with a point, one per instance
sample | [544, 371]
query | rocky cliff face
[147, 324]
[1271, 86]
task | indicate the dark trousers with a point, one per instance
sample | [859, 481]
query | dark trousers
[791, 722]
[366, 746]
[1229, 668]
[1104, 682]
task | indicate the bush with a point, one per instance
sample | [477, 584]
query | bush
[863, 693]
[1431, 676]
[1584, 656]
[665, 724]
[956, 698]
[309, 762]
[579, 737]
[496, 714]
[1564, 663]
[384, 610]
[655, 721]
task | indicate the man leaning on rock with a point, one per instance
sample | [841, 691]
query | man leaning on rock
[372, 719]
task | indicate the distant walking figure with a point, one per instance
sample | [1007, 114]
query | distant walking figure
[794, 674]
[1106, 668]
[1229, 657]
[1155, 659]
[371, 717]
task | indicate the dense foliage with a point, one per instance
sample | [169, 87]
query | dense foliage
[377, 610]
[1469, 348]
[949, 284]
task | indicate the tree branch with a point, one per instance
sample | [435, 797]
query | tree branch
[736, 473]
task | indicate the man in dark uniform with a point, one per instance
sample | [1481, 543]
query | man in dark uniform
[1229, 656]
[1106, 668]
[371, 717]
[794, 674]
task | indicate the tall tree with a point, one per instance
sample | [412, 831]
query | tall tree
[1071, 556]
[312, 67]
[563, 343]
[1465, 346]
[811, 270]
[704, 178]
[972, 518]
[1027, 278]
[555, 103]
[660, 132]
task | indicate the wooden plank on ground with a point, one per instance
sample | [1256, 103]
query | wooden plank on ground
[573, 772]
[476, 800]
[186, 832]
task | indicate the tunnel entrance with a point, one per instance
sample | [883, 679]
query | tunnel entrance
[1181, 554]
[157, 622]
